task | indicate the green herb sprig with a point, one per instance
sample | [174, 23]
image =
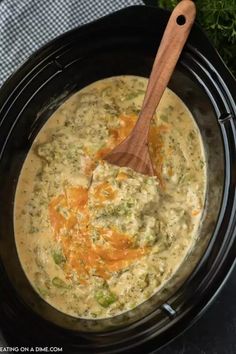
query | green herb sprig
[218, 19]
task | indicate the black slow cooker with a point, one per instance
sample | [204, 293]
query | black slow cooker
[122, 43]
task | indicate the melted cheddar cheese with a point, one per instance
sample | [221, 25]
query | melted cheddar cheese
[96, 240]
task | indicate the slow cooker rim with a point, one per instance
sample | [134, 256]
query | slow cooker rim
[10, 82]
[19, 73]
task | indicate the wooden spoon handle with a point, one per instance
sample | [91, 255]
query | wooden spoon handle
[172, 43]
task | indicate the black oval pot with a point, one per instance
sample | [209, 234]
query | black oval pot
[122, 43]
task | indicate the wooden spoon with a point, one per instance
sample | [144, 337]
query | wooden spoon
[133, 151]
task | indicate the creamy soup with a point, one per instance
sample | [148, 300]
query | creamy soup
[94, 239]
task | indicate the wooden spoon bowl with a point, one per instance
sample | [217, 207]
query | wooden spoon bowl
[133, 152]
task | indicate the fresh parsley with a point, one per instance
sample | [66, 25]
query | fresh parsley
[218, 19]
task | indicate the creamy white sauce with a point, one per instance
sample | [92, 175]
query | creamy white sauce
[155, 221]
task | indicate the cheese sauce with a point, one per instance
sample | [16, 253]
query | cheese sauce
[96, 240]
